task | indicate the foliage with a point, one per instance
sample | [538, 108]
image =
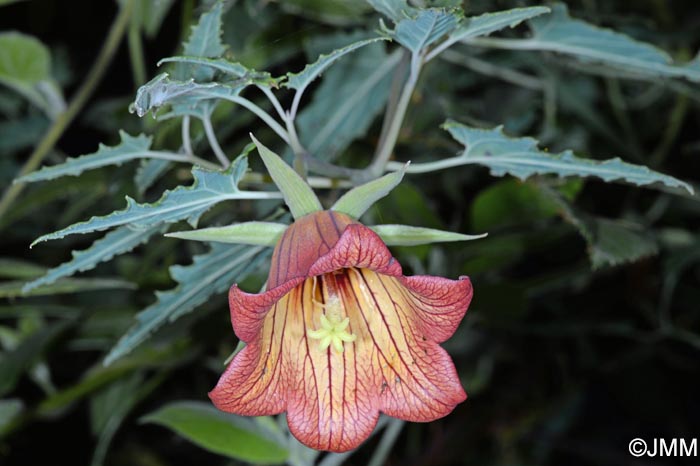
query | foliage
[564, 131]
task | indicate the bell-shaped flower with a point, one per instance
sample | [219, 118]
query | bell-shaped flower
[341, 335]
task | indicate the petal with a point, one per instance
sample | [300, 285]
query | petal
[254, 384]
[358, 247]
[439, 304]
[307, 239]
[412, 375]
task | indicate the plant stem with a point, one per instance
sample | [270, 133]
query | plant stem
[185, 158]
[114, 37]
[396, 82]
[263, 115]
[211, 137]
[274, 101]
[186, 140]
[138, 63]
[377, 166]
[391, 433]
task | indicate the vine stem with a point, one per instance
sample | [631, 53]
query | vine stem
[97, 71]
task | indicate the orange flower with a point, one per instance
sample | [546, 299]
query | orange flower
[341, 335]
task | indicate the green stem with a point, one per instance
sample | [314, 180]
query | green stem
[391, 433]
[138, 62]
[114, 37]
[262, 114]
[214, 143]
[376, 168]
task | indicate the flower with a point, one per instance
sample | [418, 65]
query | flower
[341, 335]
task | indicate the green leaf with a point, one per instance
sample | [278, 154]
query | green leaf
[116, 242]
[487, 23]
[153, 14]
[511, 202]
[560, 33]
[301, 80]
[10, 409]
[25, 65]
[149, 171]
[396, 10]
[225, 434]
[208, 189]
[24, 60]
[14, 363]
[187, 96]
[521, 158]
[204, 41]
[221, 64]
[405, 235]
[610, 242]
[130, 148]
[297, 194]
[210, 273]
[348, 99]
[19, 269]
[109, 408]
[356, 201]
[427, 28]
[14, 289]
[251, 233]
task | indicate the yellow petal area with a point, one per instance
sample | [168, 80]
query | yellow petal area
[338, 349]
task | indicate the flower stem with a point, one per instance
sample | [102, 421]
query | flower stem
[114, 37]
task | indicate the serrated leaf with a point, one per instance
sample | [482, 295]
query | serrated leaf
[130, 148]
[14, 363]
[405, 235]
[299, 81]
[182, 203]
[19, 269]
[13, 289]
[610, 242]
[226, 67]
[252, 233]
[356, 201]
[148, 172]
[521, 158]
[188, 96]
[116, 242]
[204, 41]
[210, 273]
[559, 32]
[487, 23]
[348, 99]
[396, 10]
[218, 432]
[426, 28]
[297, 194]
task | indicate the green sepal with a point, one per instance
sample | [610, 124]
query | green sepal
[405, 235]
[356, 201]
[253, 233]
[297, 194]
